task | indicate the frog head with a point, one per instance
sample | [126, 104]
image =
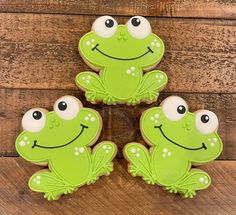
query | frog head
[110, 44]
[192, 135]
[48, 134]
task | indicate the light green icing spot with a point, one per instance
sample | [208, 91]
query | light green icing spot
[175, 146]
[65, 146]
[121, 60]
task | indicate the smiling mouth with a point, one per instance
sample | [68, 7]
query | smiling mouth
[184, 147]
[149, 50]
[53, 147]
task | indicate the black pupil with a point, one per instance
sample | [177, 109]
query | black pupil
[37, 115]
[205, 118]
[109, 23]
[135, 22]
[181, 109]
[62, 106]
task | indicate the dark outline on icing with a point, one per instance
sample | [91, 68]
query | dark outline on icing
[117, 58]
[202, 147]
[53, 147]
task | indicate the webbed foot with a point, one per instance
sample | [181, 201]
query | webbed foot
[153, 82]
[102, 157]
[140, 164]
[50, 184]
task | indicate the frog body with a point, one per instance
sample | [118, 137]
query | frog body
[120, 53]
[178, 139]
[62, 139]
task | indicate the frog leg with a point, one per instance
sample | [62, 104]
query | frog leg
[193, 181]
[102, 157]
[140, 162]
[50, 184]
[153, 82]
[94, 88]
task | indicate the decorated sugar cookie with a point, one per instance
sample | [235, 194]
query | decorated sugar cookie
[121, 53]
[178, 139]
[62, 139]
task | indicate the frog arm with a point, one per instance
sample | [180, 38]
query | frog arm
[140, 161]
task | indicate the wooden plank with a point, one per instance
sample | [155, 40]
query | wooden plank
[120, 123]
[167, 8]
[117, 194]
[37, 49]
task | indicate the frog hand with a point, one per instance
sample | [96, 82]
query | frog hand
[140, 162]
[153, 82]
[50, 184]
[102, 157]
[93, 86]
[194, 180]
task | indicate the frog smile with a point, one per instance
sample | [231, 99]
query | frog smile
[53, 147]
[149, 50]
[184, 147]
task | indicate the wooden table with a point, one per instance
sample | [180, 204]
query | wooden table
[39, 61]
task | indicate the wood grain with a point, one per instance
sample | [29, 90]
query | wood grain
[167, 8]
[37, 49]
[120, 123]
[117, 194]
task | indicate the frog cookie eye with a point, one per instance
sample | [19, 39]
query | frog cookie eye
[104, 26]
[34, 120]
[67, 107]
[139, 27]
[206, 122]
[174, 108]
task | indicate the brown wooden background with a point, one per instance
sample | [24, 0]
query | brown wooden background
[38, 64]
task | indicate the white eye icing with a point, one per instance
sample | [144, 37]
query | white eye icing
[174, 108]
[34, 120]
[139, 27]
[104, 26]
[206, 121]
[67, 107]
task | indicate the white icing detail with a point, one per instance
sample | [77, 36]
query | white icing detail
[132, 68]
[101, 29]
[164, 155]
[93, 45]
[88, 77]
[38, 182]
[152, 44]
[72, 109]
[128, 71]
[88, 81]
[22, 143]
[90, 117]
[165, 150]
[76, 153]
[25, 138]
[215, 140]
[81, 149]
[206, 181]
[201, 179]
[109, 147]
[76, 148]
[93, 40]
[159, 81]
[157, 76]
[86, 118]
[137, 155]
[155, 40]
[212, 144]
[156, 121]
[89, 114]
[88, 43]
[156, 115]
[38, 177]
[206, 127]
[107, 151]
[133, 150]
[28, 142]
[151, 118]
[169, 153]
[104, 147]
[170, 106]
[133, 74]
[158, 45]
[142, 30]
[161, 76]
[83, 78]
[93, 119]
[31, 124]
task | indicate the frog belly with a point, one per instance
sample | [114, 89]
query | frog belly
[72, 168]
[168, 167]
[120, 84]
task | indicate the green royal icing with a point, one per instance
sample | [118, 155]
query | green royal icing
[121, 53]
[62, 139]
[177, 141]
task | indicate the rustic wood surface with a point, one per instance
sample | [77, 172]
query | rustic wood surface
[38, 63]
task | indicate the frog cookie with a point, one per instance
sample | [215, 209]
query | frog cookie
[62, 139]
[120, 53]
[178, 139]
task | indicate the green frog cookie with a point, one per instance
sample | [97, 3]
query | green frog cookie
[178, 139]
[62, 139]
[121, 53]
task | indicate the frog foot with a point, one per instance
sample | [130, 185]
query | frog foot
[133, 101]
[171, 189]
[152, 83]
[109, 100]
[93, 86]
[193, 181]
[140, 162]
[102, 157]
[50, 184]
